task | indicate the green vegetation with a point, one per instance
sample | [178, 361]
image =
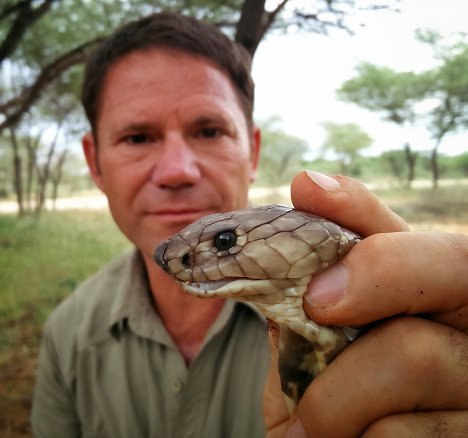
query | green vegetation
[397, 95]
[390, 167]
[346, 141]
[280, 155]
[444, 209]
[41, 262]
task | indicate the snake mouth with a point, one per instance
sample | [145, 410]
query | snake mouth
[228, 287]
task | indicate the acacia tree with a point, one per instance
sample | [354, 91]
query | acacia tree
[49, 40]
[391, 93]
[346, 141]
[281, 154]
[449, 89]
[69, 29]
[395, 94]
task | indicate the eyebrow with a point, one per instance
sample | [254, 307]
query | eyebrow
[208, 119]
[136, 127]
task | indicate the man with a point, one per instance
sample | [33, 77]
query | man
[129, 354]
[170, 100]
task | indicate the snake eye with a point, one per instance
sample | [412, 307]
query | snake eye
[225, 240]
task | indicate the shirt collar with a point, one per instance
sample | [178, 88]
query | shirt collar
[134, 285]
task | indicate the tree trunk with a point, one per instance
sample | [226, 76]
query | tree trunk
[411, 162]
[43, 175]
[31, 165]
[57, 177]
[17, 172]
[254, 23]
[250, 24]
[435, 166]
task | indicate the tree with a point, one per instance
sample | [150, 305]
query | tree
[281, 154]
[396, 160]
[74, 27]
[449, 89]
[21, 15]
[48, 41]
[391, 93]
[346, 141]
[395, 94]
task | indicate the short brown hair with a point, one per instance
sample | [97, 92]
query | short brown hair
[169, 30]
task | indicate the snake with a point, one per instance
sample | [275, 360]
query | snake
[266, 256]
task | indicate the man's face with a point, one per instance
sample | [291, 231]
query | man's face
[172, 144]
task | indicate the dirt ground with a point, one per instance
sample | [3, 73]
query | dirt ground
[17, 376]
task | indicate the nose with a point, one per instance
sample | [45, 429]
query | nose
[177, 165]
[159, 258]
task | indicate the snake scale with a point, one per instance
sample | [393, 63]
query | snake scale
[266, 255]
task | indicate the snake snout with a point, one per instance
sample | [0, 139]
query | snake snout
[159, 256]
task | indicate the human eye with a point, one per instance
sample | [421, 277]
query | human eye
[137, 139]
[209, 132]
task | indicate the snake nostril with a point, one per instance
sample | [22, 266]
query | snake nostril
[159, 258]
[185, 260]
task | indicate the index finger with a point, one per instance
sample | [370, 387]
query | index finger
[388, 273]
[345, 201]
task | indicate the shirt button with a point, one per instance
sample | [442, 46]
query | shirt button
[177, 385]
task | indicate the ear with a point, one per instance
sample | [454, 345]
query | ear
[254, 153]
[91, 154]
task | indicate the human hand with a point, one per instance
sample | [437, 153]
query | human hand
[407, 376]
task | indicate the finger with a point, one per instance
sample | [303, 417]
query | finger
[344, 201]
[423, 424]
[404, 365]
[395, 273]
[275, 411]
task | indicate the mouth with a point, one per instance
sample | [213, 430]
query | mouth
[179, 215]
[227, 288]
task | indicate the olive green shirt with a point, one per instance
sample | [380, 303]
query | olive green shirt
[108, 367]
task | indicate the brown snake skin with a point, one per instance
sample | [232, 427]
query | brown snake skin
[267, 256]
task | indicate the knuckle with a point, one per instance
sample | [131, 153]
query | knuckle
[418, 347]
[387, 427]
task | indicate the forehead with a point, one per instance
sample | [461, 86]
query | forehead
[158, 74]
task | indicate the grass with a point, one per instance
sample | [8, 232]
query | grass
[42, 260]
[444, 209]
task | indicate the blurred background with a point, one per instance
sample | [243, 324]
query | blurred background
[376, 90]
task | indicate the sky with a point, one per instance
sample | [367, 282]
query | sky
[296, 75]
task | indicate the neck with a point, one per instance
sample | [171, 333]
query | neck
[186, 318]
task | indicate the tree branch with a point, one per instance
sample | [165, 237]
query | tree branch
[15, 107]
[26, 17]
[271, 17]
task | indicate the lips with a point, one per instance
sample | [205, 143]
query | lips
[177, 215]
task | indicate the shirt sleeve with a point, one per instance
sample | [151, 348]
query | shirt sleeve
[53, 412]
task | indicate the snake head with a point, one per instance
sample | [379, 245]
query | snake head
[261, 250]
